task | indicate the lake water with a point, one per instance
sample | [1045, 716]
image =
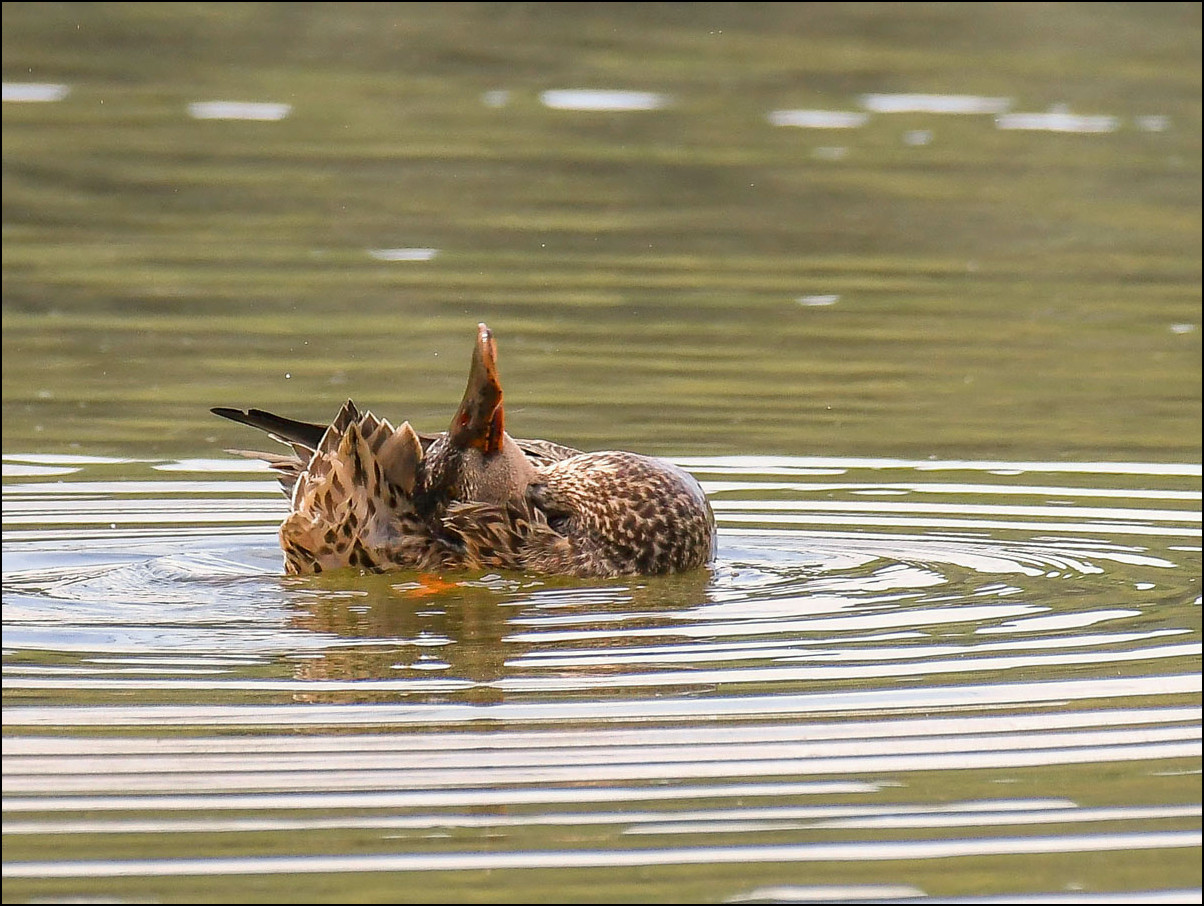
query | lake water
[913, 290]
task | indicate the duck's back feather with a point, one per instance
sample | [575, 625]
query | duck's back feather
[621, 514]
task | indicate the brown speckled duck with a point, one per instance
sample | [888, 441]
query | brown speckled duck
[365, 494]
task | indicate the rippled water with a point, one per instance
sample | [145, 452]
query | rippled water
[960, 242]
[891, 668]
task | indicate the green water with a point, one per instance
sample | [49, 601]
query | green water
[940, 378]
[1029, 294]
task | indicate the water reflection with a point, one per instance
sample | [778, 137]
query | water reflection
[238, 110]
[846, 673]
[819, 119]
[599, 99]
[934, 103]
[826, 574]
[33, 92]
[409, 629]
[1057, 121]
[498, 97]
[404, 254]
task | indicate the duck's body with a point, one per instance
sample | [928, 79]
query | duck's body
[365, 494]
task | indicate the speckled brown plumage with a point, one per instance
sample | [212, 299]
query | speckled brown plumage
[367, 495]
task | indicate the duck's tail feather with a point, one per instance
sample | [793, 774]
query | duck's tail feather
[352, 504]
[286, 430]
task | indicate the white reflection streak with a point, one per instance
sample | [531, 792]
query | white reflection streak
[793, 465]
[711, 628]
[968, 509]
[213, 465]
[814, 813]
[834, 672]
[112, 536]
[818, 119]
[934, 103]
[1057, 122]
[238, 110]
[1081, 815]
[825, 893]
[33, 92]
[458, 798]
[440, 770]
[1102, 528]
[1009, 490]
[615, 710]
[913, 820]
[464, 861]
[139, 512]
[404, 254]
[21, 470]
[434, 779]
[40, 747]
[798, 651]
[974, 551]
[298, 686]
[1062, 622]
[601, 99]
[69, 459]
[64, 491]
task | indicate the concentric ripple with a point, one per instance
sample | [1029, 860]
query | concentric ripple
[890, 663]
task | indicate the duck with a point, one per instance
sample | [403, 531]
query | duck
[364, 494]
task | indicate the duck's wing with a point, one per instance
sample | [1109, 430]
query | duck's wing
[619, 513]
[544, 452]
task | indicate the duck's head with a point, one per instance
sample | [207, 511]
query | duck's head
[480, 422]
[479, 460]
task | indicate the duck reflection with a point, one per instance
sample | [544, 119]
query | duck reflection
[458, 638]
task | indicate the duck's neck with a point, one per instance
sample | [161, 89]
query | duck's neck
[467, 474]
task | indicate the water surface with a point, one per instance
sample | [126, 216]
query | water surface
[891, 664]
[913, 289]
